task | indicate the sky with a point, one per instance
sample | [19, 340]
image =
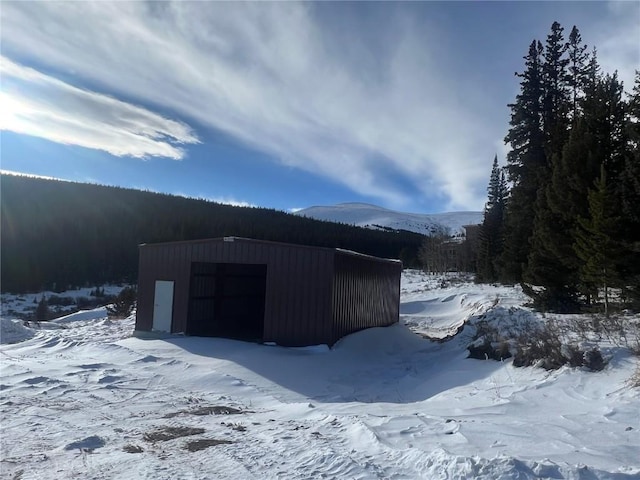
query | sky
[281, 105]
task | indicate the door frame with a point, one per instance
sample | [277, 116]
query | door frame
[163, 305]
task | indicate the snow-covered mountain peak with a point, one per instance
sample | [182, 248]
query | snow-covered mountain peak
[373, 216]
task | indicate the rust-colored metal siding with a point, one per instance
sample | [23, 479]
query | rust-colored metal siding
[313, 295]
[366, 293]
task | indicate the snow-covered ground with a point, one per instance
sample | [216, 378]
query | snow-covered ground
[67, 301]
[82, 398]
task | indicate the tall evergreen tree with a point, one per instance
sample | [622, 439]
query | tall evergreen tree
[596, 242]
[42, 312]
[578, 69]
[545, 265]
[524, 162]
[556, 91]
[613, 122]
[629, 190]
[553, 261]
[568, 122]
[490, 243]
[550, 235]
[596, 139]
[579, 165]
[630, 178]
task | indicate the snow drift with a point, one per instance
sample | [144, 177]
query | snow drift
[90, 401]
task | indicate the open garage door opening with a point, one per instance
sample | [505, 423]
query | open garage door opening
[227, 300]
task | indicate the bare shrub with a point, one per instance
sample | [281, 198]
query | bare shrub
[216, 410]
[540, 348]
[545, 348]
[169, 433]
[486, 350]
[208, 410]
[573, 355]
[594, 360]
[634, 381]
[495, 340]
[130, 448]
[197, 445]
[238, 427]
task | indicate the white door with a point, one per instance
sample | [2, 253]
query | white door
[163, 306]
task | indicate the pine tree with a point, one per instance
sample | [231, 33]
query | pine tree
[569, 123]
[490, 243]
[629, 191]
[584, 151]
[596, 242]
[553, 261]
[42, 313]
[524, 162]
[578, 69]
[556, 91]
[630, 184]
[123, 304]
[614, 122]
[550, 236]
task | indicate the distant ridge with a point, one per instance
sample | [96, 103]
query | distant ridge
[372, 216]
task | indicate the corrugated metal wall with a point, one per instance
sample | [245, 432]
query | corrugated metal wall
[366, 293]
[298, 291]
[313, 295]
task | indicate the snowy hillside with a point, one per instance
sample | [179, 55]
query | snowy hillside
[365, 215]
[82, 398]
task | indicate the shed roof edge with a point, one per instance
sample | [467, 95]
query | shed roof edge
[268, 242]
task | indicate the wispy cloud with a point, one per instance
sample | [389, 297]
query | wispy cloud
[284, 80]
[619, 45]
[37, 104]
[234, 202]
[231, 201]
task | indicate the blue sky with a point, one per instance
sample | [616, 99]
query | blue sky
[283, 105]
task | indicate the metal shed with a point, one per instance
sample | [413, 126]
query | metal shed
[292, 295]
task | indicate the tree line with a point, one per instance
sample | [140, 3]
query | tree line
[562, 217]
[57, 234]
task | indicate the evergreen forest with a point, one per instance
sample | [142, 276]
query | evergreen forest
[58, 234]
[562, 216]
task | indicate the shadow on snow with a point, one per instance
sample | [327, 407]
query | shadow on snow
[389, 364]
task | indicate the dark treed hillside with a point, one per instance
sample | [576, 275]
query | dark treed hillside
[57, 234]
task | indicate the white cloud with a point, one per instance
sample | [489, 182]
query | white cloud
[269, 75]
[619, 44]
[37, 104]
[231, 201]
[286, 82]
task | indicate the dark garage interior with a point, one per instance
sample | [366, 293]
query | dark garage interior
[227, 300]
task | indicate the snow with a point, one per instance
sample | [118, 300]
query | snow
[14, 331]
[82, 315]
[365, 215]
[89, 400]
[25, 304]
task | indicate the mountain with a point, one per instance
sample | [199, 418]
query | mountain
[372, 216]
